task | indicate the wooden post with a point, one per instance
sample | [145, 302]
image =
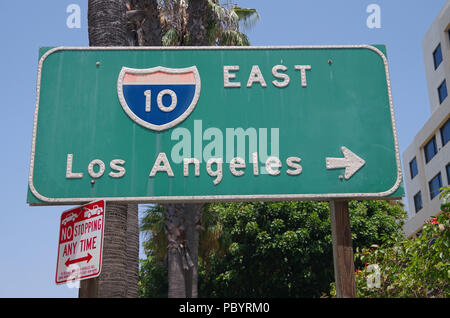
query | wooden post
[344, 268]
[88, 288]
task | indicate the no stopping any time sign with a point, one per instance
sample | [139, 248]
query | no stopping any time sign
[81, 243]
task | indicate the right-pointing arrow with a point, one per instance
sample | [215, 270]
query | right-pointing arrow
[351, 162]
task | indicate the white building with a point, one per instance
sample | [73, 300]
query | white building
[427, 159]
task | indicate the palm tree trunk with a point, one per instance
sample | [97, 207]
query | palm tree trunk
[182, 221]
[107, 23]
[132, 251]
[144, 23]
[182, 225]
[198, 13]
[193, 214]
[174, 229]
[119, 276]
[112, 282]
[151, 29]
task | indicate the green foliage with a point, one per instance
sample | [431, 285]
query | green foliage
[152, 278]
[445, 197]
[247, 17]
[284, 249]
[170, 37]
[153, 270]
[419, 267]
[152, 225]
[222, 23]
[280, 249]
[273, 249]
[372, 222]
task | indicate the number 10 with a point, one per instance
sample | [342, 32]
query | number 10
[168, 109]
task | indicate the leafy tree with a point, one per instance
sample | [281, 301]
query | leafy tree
[417, 267]
[284, 249]
[153, 278]
[224, 23]
[280, 249]
[205, 22]
[272, 250]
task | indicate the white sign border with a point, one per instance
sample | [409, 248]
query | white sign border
[215, 198]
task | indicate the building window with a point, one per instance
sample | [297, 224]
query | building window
[418, 201]
[434, 185]
[448, 173]
[430, 149]
[445, 132]
[413, 168]
[442, 91]
[437, 56]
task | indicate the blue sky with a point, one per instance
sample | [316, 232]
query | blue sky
[28, 235]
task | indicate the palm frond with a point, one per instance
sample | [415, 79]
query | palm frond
[247, 17]
[219, 11]
[171, 37]
[152, 227]
[233, 38]
[224, 23]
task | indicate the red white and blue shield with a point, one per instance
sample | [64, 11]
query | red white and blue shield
[159, 98]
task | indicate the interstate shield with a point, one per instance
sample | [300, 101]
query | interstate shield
[159, 98]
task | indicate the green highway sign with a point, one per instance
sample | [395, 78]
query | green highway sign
[200, 124]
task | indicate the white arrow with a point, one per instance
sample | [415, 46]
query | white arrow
[351, 162]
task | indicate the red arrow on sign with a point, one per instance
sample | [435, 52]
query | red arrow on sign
[78, 260]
